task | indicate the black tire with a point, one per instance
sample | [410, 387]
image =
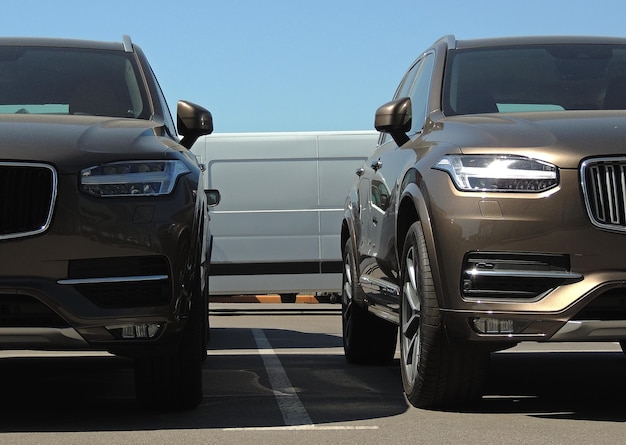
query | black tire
[203, 308]
[173, 381]
[206, 328]
[435, 373]
[367, 339]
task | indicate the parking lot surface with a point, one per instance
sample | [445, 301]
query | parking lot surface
[276, 374]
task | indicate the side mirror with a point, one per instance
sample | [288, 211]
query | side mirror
[395, 118]
[213, 197]
[193, 121]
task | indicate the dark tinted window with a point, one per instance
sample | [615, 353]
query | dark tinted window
[420, 93]
[535, 78]
[403, 90]
[70, 81]
[167, 117]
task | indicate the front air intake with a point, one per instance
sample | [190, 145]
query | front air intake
[514, 275]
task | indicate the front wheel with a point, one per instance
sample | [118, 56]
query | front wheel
[367, 339]
[435, 373]
[173, 381]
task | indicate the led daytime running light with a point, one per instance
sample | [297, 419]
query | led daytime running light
[132, 178]
[499, 173]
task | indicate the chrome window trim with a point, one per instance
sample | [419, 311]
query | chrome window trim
[109, 280]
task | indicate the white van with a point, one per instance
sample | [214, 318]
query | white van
[277, 227]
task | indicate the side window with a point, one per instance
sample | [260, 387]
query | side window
[420, 93]
[380, 195]
[403, 91]
[407, 82]
[167, 116]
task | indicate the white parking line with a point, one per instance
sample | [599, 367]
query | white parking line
[294, 414]
[306, 428]
[292, 409]
[279, 351]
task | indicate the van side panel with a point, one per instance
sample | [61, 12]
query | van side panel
[340, 155]
[276, 229]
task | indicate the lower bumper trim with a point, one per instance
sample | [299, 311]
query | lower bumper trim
[591, 330]
[41, 338]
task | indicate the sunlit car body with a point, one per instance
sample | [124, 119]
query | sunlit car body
[493, 212]
[104, 237]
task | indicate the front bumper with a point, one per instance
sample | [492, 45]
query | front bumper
[108, 274]
[512, 267]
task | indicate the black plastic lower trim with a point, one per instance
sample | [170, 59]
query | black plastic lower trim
[278, 268]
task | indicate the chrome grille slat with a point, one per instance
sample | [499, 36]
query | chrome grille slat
[622, 178]
[27, 198]
[604, 189]
[612, 193]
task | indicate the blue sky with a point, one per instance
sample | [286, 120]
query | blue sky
[279, 65]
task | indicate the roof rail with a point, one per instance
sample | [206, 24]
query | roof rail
[450, 41]
[128, 44]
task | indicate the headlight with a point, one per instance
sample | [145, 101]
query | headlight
[499, 173]
[132, 178]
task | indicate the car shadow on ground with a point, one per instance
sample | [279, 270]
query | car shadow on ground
[74, 394]
[50, 394]
[565, 385]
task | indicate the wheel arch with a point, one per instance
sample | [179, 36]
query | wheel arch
[348, 226]
[349, 234]
[414, 206]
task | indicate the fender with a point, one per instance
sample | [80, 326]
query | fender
[414, 205]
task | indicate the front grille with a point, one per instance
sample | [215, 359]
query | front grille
[604, 189]
[27, 195]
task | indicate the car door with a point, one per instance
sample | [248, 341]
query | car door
[379, 191]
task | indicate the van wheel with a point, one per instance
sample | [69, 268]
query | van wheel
[288, 298]
[435, 373]
[367, 339]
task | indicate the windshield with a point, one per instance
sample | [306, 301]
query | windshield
[535, 78]
[41, 80]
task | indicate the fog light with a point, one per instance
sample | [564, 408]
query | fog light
[134, 331]
[498, 326]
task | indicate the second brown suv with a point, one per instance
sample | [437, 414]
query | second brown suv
[493, 211]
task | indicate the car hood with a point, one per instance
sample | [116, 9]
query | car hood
[562, 138]
[72, 143]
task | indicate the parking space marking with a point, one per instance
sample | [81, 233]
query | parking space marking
[291, 408]
[306, 428]
[279, 351]
[293, 411]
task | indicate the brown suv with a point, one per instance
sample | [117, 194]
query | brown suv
[493, 211]
[104, 236]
